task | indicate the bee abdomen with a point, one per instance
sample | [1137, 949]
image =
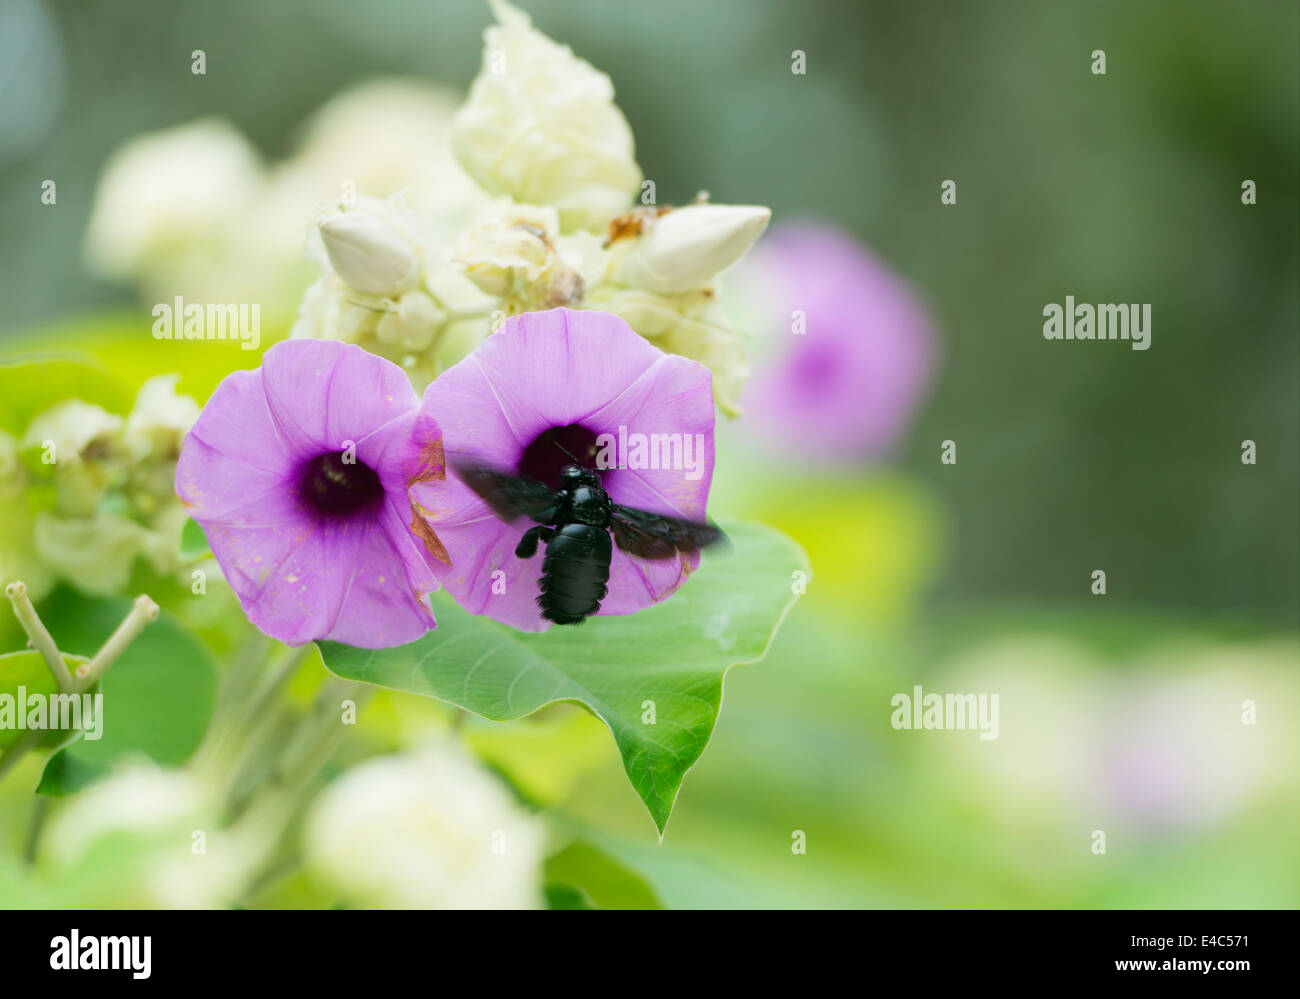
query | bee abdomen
[574, 573]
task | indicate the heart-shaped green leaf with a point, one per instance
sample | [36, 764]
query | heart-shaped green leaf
[157, 697]
[28, 686]
[654, 677]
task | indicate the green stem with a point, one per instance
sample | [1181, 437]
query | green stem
[242, 675]
[40, 812]
[40, 637]
[246, 722]
[285, 790]
[142, 612]
[319, 736]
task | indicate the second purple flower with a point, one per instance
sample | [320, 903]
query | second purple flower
[559, 388]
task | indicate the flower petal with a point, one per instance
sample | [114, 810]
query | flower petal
[315, 408]
[235, 466]
[553, 369]
[303, 573]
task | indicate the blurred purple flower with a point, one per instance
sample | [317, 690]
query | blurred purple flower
[845, 388]
[298, 473]
[547, 385]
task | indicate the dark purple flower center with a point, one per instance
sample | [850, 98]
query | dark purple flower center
[556, 447]
[336, 488]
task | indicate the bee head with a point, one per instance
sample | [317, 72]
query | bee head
[572, 476]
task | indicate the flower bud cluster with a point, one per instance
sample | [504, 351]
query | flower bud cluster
[91, 491]
[540, 131]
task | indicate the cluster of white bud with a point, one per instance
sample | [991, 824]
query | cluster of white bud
[93, 490]
[195, 211]
[428, 829]
[540, 130]
[417, 260]
[382, 290]
[541, 127]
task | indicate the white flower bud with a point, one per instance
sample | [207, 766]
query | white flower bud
[78, 430]
[159, 420]
[379, 138]
[518, 256]
[411, 322]
[151, 816]
[429, 829]
[509, 251]
[686, 248]
[169, 194]
[96, 553]
[371, 248]
[541, 126]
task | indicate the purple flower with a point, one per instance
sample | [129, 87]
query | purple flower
[298, 473]
[844, 388]
[547, 386]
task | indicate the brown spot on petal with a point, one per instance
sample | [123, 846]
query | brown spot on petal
[632, 224]
[431, 465]
[421, 529]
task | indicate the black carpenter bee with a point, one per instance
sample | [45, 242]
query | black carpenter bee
[575, 521]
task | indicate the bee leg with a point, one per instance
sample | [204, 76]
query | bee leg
[527, 546]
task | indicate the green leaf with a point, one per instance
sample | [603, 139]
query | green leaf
[121, 343]
[562, 896]
[194, 543]
[66, 773]
[33, 384]
[677, 879]
[610, 872]
[158, 696]
[593, 875]
[674, 654]
[24, 677]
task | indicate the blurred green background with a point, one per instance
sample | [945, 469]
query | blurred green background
[1123, 188]
[1072, 457]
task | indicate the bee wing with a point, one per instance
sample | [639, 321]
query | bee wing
[656, 536]
[508, 495]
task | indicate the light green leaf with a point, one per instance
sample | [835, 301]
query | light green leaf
[615, 873]
[33, 384]
[562, 896]
[592, 875]
[158, 696]
[194, 543]
[25, 678]
[67, 773]
[668, 660]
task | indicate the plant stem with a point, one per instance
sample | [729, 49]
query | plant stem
[142, 612]
[40, 811]
[41, 639]
[243, 725]
[320, 733]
